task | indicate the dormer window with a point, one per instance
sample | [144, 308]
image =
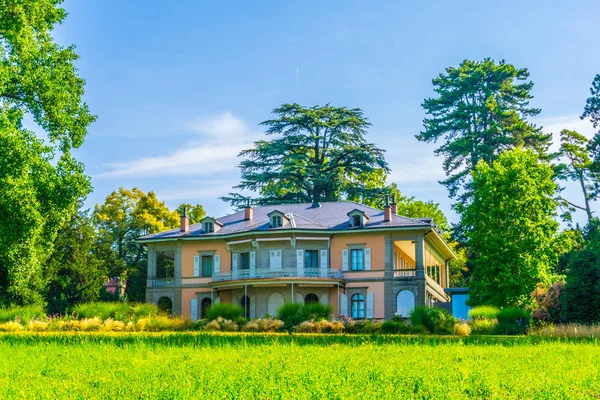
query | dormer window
[276, 219]
[210, 225]
[357, 218]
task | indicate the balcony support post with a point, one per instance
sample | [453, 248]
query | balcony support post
[293, 300]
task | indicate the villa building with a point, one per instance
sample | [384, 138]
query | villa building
[363, 262]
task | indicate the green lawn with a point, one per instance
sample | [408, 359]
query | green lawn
[215, 366]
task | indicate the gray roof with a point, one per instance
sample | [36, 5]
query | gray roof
[331, 216]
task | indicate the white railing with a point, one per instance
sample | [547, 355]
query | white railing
[159, 282]
[405, 273]
[265, 273]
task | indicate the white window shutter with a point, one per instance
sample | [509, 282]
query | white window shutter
[344, 259]
[300, 262]
[324, 263]
[272, 255]
[370, 300]
[325, 299]
[279, 259]
[234, 262]
[194, 309]
[218, 300]
[343, 300]
[217, 264]
[275, 259]
[367, 259]
[196, 265]
[252, 264]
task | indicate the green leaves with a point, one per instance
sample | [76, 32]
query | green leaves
[480, 111]
[592, 105]
[317, 153]
[509, 227]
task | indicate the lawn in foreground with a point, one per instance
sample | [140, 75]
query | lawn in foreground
[279, 366]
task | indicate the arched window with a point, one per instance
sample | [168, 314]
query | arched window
[405, 303]
[358, 306]
[311, 298]
[245, 303]
[165, 305]
[205, 305]
[274, 301]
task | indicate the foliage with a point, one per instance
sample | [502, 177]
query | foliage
[22, 313]
[510, 229]
[72, 273]
[592, 104]
[318, 154]
[315, 311]
[225, 310]
[481, 110]
[289, 313]
[462, 329]
[194, 213]
[40, 180]
[484, 312]
[512, 321]
[119, 311]
[548, 307]
[581, 294]
[263, 325]
[401, 327]
[125, 216]
[483, 326]
[571, 331]
[435, 320]
[137, 365]
[574, 148]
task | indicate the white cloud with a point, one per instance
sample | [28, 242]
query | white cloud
[223, 137]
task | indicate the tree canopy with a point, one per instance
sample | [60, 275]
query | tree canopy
[509, 228]
[592, 105]
[317, 154]
[481, 110]
[40, 181]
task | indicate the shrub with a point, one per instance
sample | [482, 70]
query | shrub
[226, 311]
[11, 326]
[263, 325]
[462, 329]
[309, 327]
[90, 324]
[366, 326]
[21, 313]
[213, 326]
[142, 324]
[144, 310]
[483, 326]
[315, 312]
[110, 325]
[435, 320]
[222, 324]
[290, 314]
[548, 307]
[512, 321]
[571, 331]
[484, 312]
[35, 325]
[103, 310]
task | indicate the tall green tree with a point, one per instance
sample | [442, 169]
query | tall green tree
[510, 228]
[592, 105]
[124, 216]
[578, 167]
[74, 274]
[194, 213]
[481, 110]
[317, 154]
[40, 181]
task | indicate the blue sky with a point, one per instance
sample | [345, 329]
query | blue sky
[180, 87]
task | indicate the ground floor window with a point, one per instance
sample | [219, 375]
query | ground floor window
[205, 305]
[311, 298]
[358, 306]
[245, 303]
[165, 305]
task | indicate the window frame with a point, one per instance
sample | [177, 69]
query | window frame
[316, 259]
[241, 258]
[359, 300]
[311, 301]
[276, 221]
[212, 264]
[208, 224]
[357, 220]
[360, 260]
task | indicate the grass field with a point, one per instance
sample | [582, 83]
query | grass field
[217, 366]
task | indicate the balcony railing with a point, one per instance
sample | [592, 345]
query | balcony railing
[265, 273]
[162, 282]
[405, 273]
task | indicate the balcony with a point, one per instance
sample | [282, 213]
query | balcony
[405, 273]
[268, 273]
[164, 282]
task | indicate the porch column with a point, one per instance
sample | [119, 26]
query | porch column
[293, 300]
[246, 301]
[420, 255]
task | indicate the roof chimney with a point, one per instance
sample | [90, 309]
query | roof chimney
[387, 210]
[248, 211]
[394, 205]
[185, 222]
